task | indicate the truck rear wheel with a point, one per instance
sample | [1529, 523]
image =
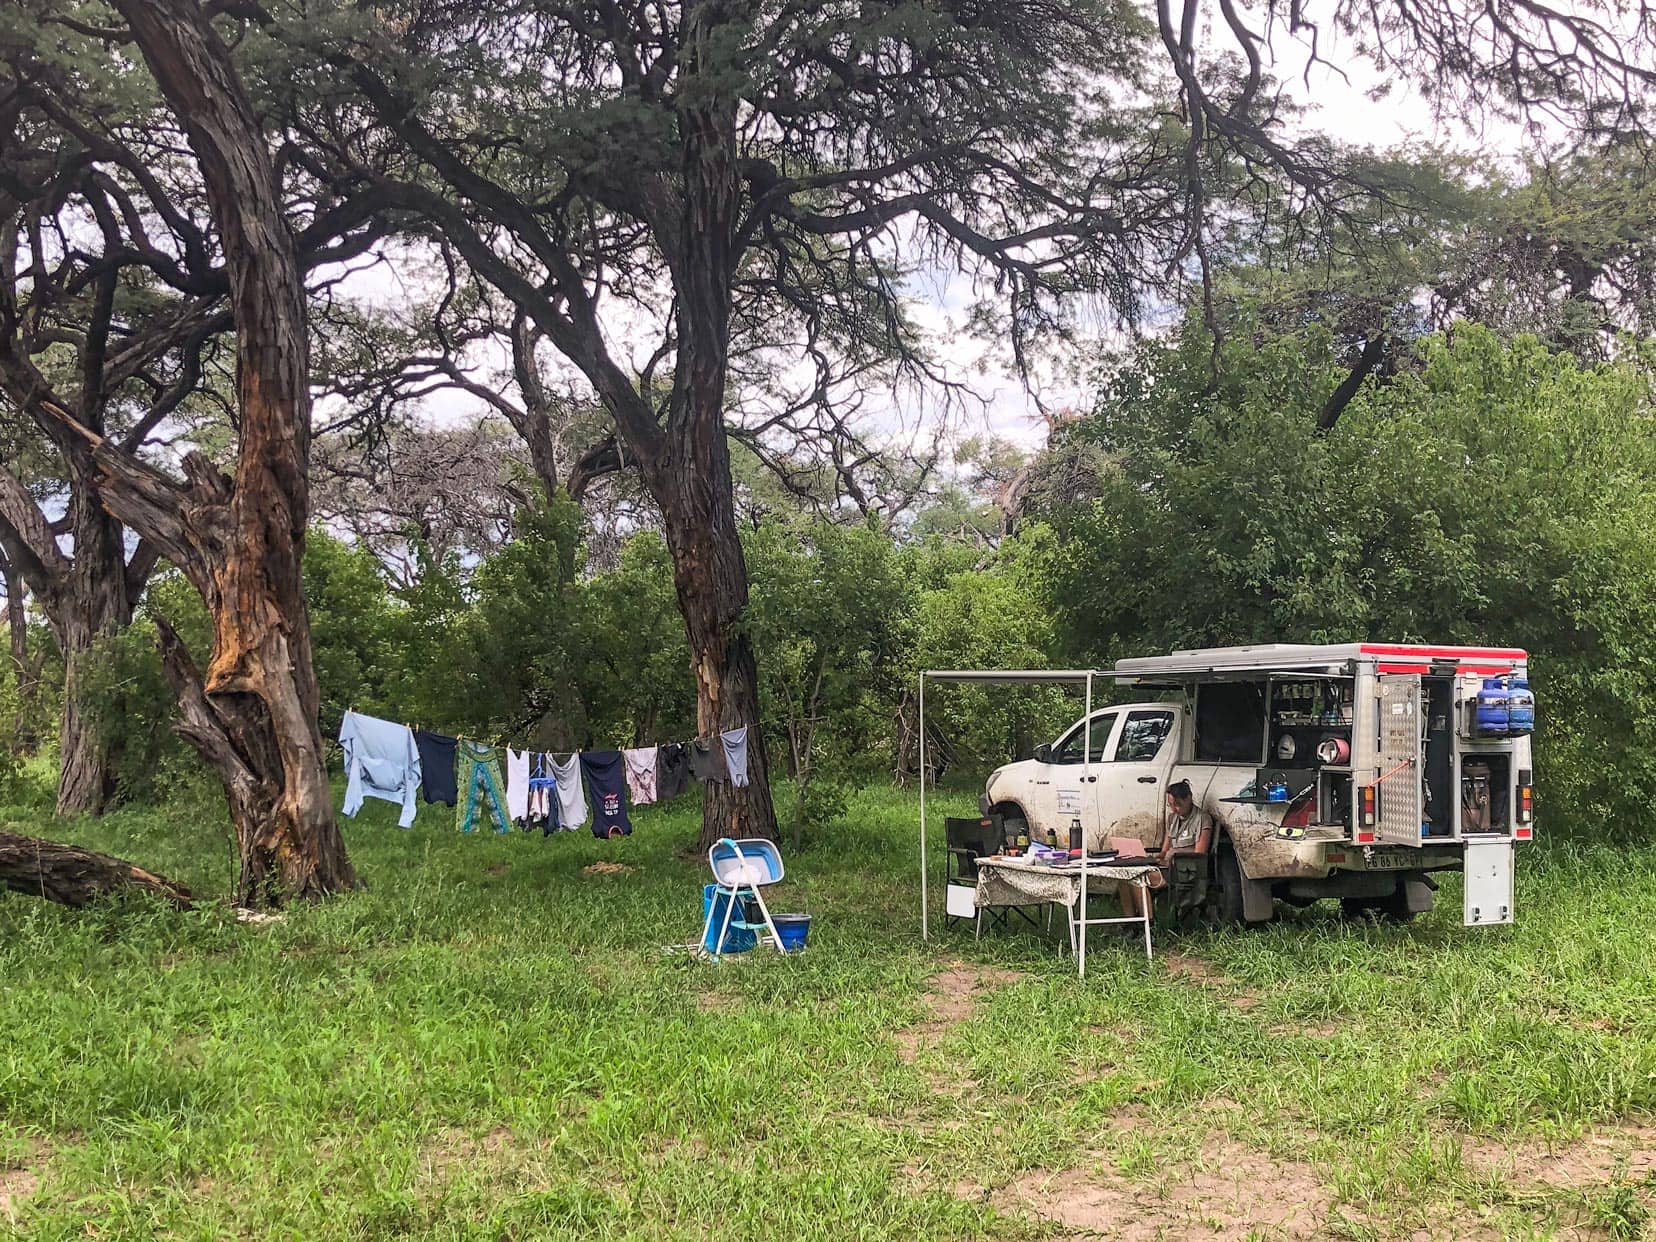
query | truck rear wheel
[1226, 901]
[1393, 908]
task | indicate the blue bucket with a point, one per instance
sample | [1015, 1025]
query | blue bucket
[793, 928]
[737, 939]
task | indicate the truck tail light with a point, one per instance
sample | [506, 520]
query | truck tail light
[1525, 824]
[1368, 800]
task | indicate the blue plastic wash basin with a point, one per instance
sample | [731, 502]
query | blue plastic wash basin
[745, 864]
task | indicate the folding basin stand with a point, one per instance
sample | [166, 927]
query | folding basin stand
[739, 875]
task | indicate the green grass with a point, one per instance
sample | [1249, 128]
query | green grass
[490, 1042]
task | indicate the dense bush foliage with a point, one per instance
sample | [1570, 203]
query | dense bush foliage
[1495, 494]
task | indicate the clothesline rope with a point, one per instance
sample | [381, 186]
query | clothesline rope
[501, 744]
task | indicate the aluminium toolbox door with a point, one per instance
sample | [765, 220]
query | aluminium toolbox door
[1400, 807]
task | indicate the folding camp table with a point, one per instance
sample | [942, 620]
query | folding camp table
[1001, 880]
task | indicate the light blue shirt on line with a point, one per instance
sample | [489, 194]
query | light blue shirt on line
[381, 761]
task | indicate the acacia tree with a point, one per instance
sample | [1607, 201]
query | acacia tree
[80, 331]
[113, 316]
[705, 180]
[239, 540]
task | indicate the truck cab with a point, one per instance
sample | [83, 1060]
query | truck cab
[1118, 794]
[1348, 771]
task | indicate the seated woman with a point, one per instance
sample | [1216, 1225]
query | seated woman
[1189, 832]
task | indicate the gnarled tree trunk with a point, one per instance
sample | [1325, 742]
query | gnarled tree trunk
[694, 491]
[24, 670]
[693, 484]
[253, 715]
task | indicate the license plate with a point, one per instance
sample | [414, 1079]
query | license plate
[1393, 860]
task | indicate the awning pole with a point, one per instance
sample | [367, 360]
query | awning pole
[925, 926]
[1086, 788]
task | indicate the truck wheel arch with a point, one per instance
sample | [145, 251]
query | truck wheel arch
[1010, 807]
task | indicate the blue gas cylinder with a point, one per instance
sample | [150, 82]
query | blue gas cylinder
[1520, 706]
[1494, 716]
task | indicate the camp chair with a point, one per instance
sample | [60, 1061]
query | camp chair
[969, 840]
[1187, 882]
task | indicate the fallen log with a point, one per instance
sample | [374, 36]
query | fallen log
[72, 876]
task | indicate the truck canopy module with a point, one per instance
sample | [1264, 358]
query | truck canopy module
[1350, 771]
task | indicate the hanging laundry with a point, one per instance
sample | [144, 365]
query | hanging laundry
[572, 806]
[604, 771]
[381, 761]
[480, 772]
[707, 761]
[543, 792]
[641, 774]
[735, 744]
[672, 770]
[436, 766]
[517, 784]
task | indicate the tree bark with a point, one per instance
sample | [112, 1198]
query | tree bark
[253, 715]
[24, 670]
[693, 483]
[93, 604]
[72, 876]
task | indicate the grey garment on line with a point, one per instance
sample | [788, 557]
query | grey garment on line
[707, 761]
[735, 743]
[572, 803]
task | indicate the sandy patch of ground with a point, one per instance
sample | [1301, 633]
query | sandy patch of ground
[950, 997]
[1232, 1192]
[1589, 1161]
[16, 1185]
[18, 1179]
[605, 867]
[452, 1148]
[715, 1002]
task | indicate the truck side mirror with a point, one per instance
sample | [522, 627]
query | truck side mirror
[1043, 753]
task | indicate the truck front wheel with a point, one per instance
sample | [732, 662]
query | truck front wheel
[1012, 818]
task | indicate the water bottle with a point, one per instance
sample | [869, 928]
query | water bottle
[1075, 845]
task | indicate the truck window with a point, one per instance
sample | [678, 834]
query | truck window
[1068, 750]
[1230, 722]
[1142, 736]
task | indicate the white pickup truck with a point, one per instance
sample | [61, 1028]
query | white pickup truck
[1349, 771]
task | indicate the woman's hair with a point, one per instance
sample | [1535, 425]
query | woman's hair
[1179, 790]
